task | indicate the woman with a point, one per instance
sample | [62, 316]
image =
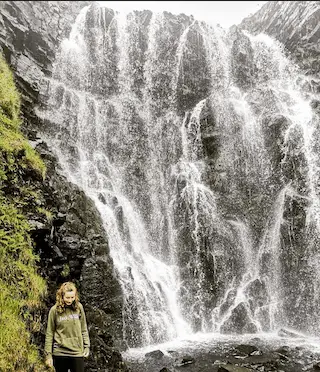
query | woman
[67, 339]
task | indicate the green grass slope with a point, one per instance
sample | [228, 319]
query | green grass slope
[21, 288]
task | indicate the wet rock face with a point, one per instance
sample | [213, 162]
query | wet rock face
[293, 23]
[72, 246]
[70, 243]
[102, 82]
[239, 321]
[194, 78]
[30, 33]
[242, 66]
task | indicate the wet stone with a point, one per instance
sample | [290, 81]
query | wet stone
[232, 368]
[246, 349]
[157, 354]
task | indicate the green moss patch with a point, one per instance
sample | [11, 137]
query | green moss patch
[21, 287]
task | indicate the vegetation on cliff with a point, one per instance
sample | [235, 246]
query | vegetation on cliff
[21, 287]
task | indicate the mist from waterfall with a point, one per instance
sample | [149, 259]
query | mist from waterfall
[195, 232]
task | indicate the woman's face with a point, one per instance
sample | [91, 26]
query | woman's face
[69, 297]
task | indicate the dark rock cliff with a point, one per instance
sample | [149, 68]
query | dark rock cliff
[71, 243]
[73, 246]
[296, 24]
[30, 33]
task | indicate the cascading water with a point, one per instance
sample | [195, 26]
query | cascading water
[151, 312]
[199, 149]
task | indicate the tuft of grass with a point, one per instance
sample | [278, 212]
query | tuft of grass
[11, 138]
[13, 143]
[18, 352]
[9, 96]
[65, 271]
[48, 214]
[21, 287]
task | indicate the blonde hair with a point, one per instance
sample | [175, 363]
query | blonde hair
[66, 287]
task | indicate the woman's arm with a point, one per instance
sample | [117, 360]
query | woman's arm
[85, 333]
[49, 337]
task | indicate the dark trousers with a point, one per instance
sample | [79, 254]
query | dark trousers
[66, 363]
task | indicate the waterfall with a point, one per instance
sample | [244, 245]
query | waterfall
[79, 137]
[198, 147]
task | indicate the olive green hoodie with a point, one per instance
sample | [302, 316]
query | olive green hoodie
[67, 333]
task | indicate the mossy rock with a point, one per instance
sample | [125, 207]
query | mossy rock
[21, 287]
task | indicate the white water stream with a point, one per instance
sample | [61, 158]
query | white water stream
[115, 128]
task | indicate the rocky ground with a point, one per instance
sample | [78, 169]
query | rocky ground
[282, 354]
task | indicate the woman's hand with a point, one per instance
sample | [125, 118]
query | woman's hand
[49, 361]
[86, 352]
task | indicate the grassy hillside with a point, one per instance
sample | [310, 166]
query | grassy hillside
[21, 288]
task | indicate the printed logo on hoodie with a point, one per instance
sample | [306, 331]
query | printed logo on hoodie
[71, 316]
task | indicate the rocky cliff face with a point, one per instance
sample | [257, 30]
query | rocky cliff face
[184, 104]
[72, 246]
[31, 31]
[293, 23]
[71, 243]
[216, 126]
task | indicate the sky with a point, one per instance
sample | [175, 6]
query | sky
[226, 13]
